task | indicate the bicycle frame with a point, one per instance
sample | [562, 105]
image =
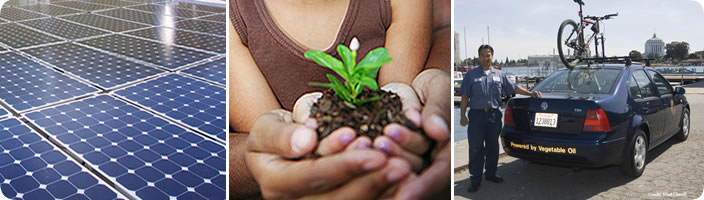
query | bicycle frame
[582, 24]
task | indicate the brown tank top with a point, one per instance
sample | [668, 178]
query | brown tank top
[281, 60]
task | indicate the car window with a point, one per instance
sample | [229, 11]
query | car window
[661, 83]
[633, 88]
[644, 85]
[583, 81]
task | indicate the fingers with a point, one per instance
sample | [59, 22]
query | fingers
[336, 141]
[274, 132]
[301, 109]
[409, 100]
[372, 185]
[281, 178]
[409, 140]
[362, 142]
[390, 147]
[434, 181]
[433, 88]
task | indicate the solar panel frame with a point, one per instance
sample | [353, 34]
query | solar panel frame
[196, 104]
[143, 154]
[32, 167]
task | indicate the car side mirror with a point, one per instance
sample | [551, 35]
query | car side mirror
[679, 90]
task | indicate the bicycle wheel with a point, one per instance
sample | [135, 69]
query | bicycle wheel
[568, 38]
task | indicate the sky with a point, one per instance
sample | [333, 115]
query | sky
[521, 28]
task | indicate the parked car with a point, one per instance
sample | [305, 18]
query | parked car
[596, 116]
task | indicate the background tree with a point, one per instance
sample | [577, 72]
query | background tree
[676, 50]
[635, 54]
[693, 56]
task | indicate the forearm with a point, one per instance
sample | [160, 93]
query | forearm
[440, 49]
[408, 41]
[242, 183]
[463, 105]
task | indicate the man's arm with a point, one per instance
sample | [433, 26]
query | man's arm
[242, 183]
[523, 91]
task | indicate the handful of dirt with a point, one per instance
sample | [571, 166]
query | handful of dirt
[369, 119]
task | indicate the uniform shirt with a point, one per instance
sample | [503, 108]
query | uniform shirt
[484, 91]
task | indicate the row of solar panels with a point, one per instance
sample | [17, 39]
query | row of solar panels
[99, 115]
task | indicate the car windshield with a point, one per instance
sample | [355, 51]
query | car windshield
[580, 81]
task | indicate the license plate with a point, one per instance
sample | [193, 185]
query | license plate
[546, 120]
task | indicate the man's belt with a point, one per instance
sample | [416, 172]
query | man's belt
[485, 109]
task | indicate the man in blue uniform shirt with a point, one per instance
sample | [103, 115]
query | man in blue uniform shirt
[481, 90]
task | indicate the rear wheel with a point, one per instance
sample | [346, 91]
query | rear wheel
[634, 160]
[569, 45]
[684, 125]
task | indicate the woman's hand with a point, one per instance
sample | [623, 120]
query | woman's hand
[275, 140]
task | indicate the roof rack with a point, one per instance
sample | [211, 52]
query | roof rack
[623, 59]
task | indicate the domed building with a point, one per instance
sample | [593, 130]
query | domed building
[655, 47]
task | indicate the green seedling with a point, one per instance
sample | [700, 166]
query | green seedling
[356, 75]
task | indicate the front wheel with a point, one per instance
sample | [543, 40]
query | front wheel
[684, 126]
[569, 38]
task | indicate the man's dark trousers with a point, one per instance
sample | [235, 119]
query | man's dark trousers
[484, 127]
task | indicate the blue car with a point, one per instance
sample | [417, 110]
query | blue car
[596, 116]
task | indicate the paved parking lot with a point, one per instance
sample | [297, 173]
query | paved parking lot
[675, 170]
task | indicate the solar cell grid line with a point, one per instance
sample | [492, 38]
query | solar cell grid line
[197, 104]
[48, 9]
[103, 22]
[16, 14]
[151, 19]
[32, 168]
[26, 84]
[64, 29]
[105, 70]
[184, 38]
[19, 37]
[143, 154]
[212, 71]
[165, 55]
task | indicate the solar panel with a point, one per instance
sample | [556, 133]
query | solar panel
[165, 55]
[113, 2]
[63, 28]
[49, 9]
[215, 18]
[15, 14]
[192, 102]
[25, 84]
[17, 36]
[191, 6]
[82, 5]
[169, 11]
[3, 112]
[145, 155]
[202, 26]
[212, 71]
[32, 168]
[103, 22]
[105, 70]
[184, 38]
[140, 16]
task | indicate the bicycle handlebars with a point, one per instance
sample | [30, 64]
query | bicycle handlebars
[605, 17]
[580, 2]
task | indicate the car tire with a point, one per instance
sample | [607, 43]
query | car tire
[684, 126]
[634, 160]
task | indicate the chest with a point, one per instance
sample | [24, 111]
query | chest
[486, 84]
[310, 25]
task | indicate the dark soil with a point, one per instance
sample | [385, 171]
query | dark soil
[369, 119]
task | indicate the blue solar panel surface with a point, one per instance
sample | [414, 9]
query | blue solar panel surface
[26, 84]
[65, 133]
[213, 71]
[32, 168]
[195, 103]
[145, 154]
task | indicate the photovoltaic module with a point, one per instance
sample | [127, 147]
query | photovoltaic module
[112, 99]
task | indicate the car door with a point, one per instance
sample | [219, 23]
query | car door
[651, 105]
[671, 114]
